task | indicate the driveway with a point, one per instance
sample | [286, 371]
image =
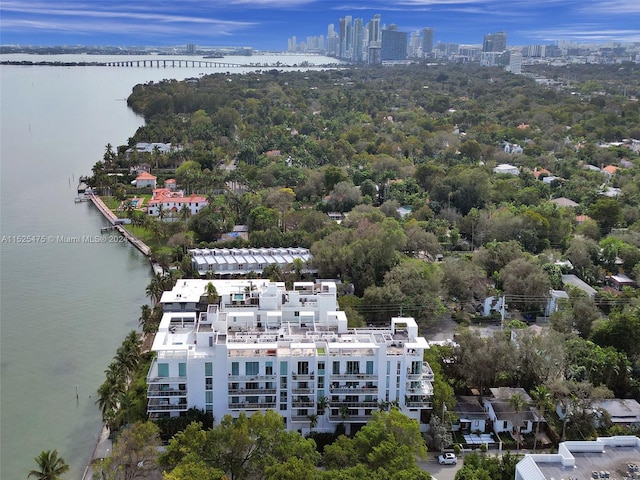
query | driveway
[441, 472]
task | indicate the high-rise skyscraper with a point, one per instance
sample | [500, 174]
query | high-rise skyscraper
[358, 40]
[394, 44]
[495, 42]
[374, 29]
[427, 41]
[346, 37]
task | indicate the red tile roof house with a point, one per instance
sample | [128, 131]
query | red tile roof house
[172, 203]
[170, 183]
[145, 180]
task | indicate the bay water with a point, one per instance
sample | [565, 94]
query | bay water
[66, 302]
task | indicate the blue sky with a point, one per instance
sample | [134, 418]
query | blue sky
[266, 24]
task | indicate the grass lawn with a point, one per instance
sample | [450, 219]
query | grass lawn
[142, 234]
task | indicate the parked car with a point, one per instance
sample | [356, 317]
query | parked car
[448, 459]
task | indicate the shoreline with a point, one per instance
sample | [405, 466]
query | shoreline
[102, 450]
[104, 444]
[113, 220]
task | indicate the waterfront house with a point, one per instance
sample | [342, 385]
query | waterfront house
[171, 205]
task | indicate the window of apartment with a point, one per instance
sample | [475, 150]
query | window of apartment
[163, 369]
[336, 368]
[283, 382]
[283, 407]
[283, 368]
[416, 367]
[320, 382]
[252, 368]
[369, 367]
[252, 399]
[235, 399]
[321, 367]
[303, 368]
[208, 397]
[353, 367]
[388, 368]
[208, 369]
[208, 383]
[182, 369]
[252, 386]
[269, 368]
[235, 368]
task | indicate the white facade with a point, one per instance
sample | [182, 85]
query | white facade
[239, 261]
[262, 347]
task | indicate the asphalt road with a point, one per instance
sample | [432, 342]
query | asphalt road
[441, 472]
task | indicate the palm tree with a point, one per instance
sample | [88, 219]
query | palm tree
[50, 465]
[323, 403]
[145, 318]
[212, 294]
[517, 403]
[313, 421]
[155, 288]
[541, 397]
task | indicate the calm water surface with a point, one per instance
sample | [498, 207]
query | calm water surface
[64, 308]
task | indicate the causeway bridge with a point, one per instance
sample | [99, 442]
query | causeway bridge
[172, 63]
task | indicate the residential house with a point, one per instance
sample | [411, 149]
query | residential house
[470, 414]
[170, 205]
[145, 180]
[564, 202]
[171, 184]
[610, 170]
[619, 281]
[504, 417]
[512, 148]
[575, 282]
[507, 169]
[621, 411]
[555, 297]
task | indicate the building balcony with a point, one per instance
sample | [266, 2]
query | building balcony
[369, 404]
[354, 390]
[251, 378]
[158, 405]
[427, 403]
[302, 404]
[353, 376]
[155, 392]
[252, 391]
[302, 391]
[303, 376]
[252, 406]
[158, 380]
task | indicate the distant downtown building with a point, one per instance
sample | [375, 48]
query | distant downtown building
[495, 42]
[260, 347]
[357, 41]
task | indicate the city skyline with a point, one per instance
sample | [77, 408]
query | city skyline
[267, 24]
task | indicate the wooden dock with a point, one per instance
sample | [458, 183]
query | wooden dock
[112, 218]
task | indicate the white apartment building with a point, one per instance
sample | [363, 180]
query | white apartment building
[261, 347]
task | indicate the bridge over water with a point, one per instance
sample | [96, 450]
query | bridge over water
[172, 63]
